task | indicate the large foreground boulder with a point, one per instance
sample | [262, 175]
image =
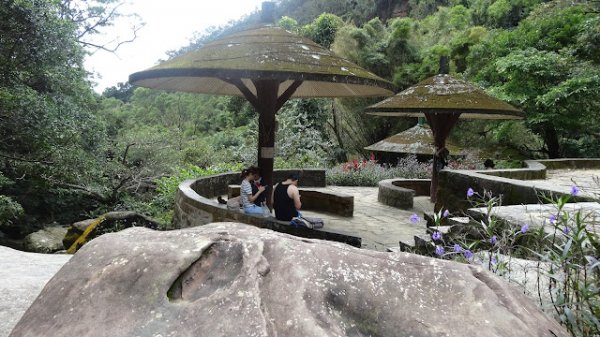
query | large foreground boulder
[229, 279]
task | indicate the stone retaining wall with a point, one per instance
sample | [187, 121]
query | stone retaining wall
[318, 201]
[421, 187]
[395, 196]
[511, 184]
[533, 171]
[193, 206]
[400, 193]
[215, 185]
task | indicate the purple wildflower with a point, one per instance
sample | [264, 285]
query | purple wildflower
[553, 219]
[414, 218]
[446, 213]
[524, 228]
[436, 236]
[457, 248]
[566, 230]
[493, 240]
[439, 250]
[468, 254]
[470, 192]
[574, 190]
[494, 262]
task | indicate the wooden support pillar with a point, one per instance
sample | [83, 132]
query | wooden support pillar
[441, 125]
[267, 102]
[266, 94]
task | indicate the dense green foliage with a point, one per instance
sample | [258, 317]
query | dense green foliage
[67, 152]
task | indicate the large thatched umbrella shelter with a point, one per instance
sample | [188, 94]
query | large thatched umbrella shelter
[442, 99]
[417, 141]
[267, 65]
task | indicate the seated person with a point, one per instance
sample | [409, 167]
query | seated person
[489, 164]
[246, 196]
[262, 197]
[286, 198]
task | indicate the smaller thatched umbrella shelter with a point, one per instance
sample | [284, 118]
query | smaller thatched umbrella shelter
[417, 141]
[442, 99]
[268, 66]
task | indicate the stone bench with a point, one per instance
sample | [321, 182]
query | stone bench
[195, 206]
[399, 193]
[317, 201]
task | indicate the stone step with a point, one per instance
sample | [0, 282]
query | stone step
[459, 220]
[407, 246]
[423, 242]
[393, 249]
[441, 229]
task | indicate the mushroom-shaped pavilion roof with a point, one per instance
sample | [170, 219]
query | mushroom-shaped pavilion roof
[443, 99]
[263, 53]
[417, 140]
[443, 94]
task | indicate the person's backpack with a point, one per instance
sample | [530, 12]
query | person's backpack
[234, 204]
[312, 223]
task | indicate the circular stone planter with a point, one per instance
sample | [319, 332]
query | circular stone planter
[400, 192]
[395, 196]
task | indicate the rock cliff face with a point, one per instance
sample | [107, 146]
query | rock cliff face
[229, 279]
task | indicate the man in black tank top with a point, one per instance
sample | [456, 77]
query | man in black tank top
[286, 198]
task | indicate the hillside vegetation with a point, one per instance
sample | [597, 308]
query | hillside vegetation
[67, 153]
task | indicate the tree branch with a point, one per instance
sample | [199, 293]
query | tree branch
[111, 50]
[124, 157]
[95, 195]
[37, 161]
[103, 20]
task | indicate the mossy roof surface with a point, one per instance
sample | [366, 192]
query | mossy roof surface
[416, 140]
[265, 52]
[443, 94]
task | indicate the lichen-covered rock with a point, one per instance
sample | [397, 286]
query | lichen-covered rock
[229, 279]
[112, 222]
[47, 240]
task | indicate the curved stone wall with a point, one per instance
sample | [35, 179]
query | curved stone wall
[401, 192]
[513, 184]
[195, 206]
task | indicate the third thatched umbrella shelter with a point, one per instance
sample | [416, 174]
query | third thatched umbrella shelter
[442, 99]
[267, 65]
[417, 141]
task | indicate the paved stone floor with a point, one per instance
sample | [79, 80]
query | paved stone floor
[562, 180]
[380, 226]
[539, 215]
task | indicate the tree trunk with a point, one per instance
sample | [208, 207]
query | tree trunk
[551, 140]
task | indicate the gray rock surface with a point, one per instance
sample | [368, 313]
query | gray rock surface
[22, 277]
[47, 240]
[228, 279]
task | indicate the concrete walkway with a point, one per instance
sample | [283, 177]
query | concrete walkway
[588, 181]
[380, 226]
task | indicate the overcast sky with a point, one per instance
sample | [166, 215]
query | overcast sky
[169, 25]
